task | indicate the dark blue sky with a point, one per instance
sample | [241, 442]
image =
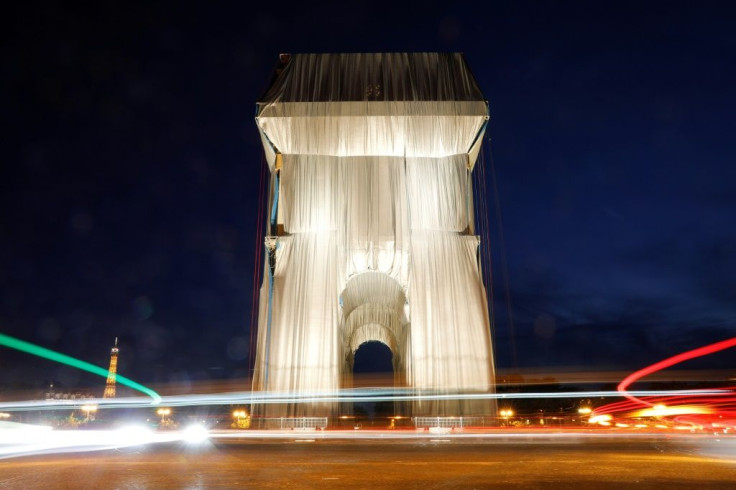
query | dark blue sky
[132, 162]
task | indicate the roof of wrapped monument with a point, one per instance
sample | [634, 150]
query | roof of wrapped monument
[350, 77]
[392, 104]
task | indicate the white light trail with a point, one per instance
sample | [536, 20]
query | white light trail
[26, 440]
[357, 395]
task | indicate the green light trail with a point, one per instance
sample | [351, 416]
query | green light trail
[24, 346]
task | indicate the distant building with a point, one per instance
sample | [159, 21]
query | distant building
[112, 372]
[53, 393]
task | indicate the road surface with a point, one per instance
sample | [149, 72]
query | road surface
[546, 461]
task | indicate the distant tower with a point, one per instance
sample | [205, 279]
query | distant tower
[111, 373]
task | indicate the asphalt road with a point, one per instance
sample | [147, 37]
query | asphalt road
[534, 461]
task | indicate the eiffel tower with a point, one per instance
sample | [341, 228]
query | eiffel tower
[111, 372]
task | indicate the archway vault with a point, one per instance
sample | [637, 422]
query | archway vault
[373, 310]
[372, 332]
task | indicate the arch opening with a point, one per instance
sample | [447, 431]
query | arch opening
[374, 361]
[373, 366]
[374, 335]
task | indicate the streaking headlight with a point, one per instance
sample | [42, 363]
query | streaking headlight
[133, 435]
[16, 433]
[195, 434]
[603, 419]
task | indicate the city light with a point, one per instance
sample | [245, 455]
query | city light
[51, 355]
[604, 419]
[163, 413]
[89, 411]
[242, 419]
[661, 410]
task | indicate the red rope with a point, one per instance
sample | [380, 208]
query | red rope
[257, 265]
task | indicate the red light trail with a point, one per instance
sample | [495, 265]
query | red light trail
[708, 408]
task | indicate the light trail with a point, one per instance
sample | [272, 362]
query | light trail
[671, 361]
[28, 440]
[35, 440]
[482, 434]
[686, 407]
[51, 355]
[355, 395]
[699, 409]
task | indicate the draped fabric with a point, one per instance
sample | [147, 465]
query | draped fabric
[416, 129]
[450, 344]
[372, 234]
[362, 199]
[389, 104]
[345, 77]
[438, 192]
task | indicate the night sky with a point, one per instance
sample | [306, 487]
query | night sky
[131, 167]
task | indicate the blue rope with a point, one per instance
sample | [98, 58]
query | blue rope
[275, 200]
[268, 326]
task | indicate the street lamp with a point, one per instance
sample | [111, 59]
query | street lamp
[506, 413]
[89, 410]
[242, 419]
[163, 412]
